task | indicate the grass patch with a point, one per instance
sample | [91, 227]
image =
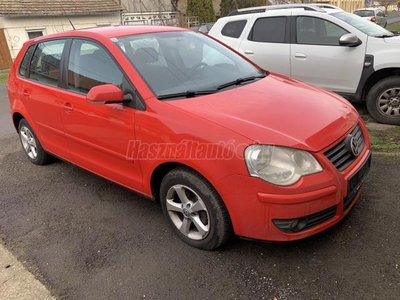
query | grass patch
[387, 140]
[394, 27]
[4, 76]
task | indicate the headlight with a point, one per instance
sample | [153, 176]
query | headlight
[280, 165]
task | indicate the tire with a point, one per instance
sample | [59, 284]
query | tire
[31, 145]
[204, 222]
[383, 101]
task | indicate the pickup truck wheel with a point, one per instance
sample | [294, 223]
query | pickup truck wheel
[383, 101]
[32, 147]
[194, 209]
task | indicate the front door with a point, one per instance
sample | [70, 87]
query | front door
[99, 135]
[317, 57]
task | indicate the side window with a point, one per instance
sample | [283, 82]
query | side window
[269, 30]
[315, 31]
[45, 64]
[25, 61]
[90, 65]
[233, 29]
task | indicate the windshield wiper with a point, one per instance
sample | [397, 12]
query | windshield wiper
[192, 93]
[384, 36]
[187, 94]
[239, 81]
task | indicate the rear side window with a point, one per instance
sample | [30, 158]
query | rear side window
[45, 64]
[23, 68]
[365, 13]
[269, 30]
[234, 29]
[91, 65]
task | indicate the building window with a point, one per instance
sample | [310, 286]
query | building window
[34, 34]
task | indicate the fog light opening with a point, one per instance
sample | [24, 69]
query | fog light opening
[291, 225]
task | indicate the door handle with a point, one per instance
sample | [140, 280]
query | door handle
[26, 94]
[300, 55]
[68, 107]
[248, 52]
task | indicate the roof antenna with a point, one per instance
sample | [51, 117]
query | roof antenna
[59, 2]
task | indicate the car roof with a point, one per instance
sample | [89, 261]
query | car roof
[318, 7]
[111, 31]
[368, 8]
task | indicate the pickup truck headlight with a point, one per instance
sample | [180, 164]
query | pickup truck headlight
[280, 165]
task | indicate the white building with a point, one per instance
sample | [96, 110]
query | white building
[22, 20]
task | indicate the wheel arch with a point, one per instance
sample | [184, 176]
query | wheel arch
[163, 169]
[17, 117]
[376, 77]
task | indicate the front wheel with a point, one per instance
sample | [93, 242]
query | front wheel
[383, 101]
[194, 209]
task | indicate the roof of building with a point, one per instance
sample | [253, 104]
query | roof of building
[57, 7]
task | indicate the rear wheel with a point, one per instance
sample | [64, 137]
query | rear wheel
[194, 209]
[31, 144]
[383, 101]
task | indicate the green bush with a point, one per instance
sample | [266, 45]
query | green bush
[201, 8]
[227, 6]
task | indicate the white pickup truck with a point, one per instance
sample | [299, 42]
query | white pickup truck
[323, 45]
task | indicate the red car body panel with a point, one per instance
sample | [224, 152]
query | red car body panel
[126, 145]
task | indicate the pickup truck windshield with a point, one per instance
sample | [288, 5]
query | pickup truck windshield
[367, 27]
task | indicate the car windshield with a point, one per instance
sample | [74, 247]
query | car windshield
[364, 13]
[185, 63]
[364, 25]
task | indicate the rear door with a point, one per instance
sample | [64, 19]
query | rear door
[40, 90]
[317, 57]
[267, 42]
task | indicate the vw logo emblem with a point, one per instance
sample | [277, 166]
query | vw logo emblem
[352, 145]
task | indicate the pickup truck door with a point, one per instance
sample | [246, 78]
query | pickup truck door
[267, 42]
[318, 58]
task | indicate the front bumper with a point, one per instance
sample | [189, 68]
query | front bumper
[262, 211]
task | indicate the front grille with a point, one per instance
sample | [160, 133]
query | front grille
[340, 155]
[320, 217]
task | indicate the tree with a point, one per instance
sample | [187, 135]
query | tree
[201, 8]
[386, 3]
[227, 6]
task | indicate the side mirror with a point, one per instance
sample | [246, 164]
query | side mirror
[349, 40]
[105, 93]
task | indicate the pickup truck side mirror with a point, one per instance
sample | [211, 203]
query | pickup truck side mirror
[349, 40]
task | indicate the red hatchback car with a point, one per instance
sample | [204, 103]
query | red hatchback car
[226, 147]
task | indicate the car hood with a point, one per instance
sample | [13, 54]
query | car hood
[393, 40]
[277, 110]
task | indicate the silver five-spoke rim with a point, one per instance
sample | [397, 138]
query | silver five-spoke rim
[389, 102]
[188, 212]
[28, 142]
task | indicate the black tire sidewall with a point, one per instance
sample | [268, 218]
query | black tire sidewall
[210, 199]
[372, 100]
[41, 154]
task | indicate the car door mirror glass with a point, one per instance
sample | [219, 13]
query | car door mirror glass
[105, 93]
[349, 40]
